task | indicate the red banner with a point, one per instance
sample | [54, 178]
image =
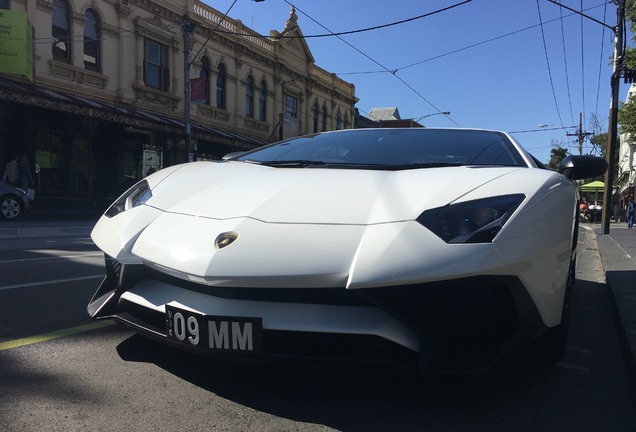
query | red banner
[198, 90]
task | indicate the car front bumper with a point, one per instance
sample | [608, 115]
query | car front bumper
[467, 325]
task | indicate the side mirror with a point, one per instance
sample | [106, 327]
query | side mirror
[582, 167]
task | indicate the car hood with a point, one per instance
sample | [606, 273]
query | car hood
[313, 195]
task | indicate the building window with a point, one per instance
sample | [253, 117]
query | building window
[4, 4]
[220, 87]
[323, 121]
[314, 117]
[61, 31]
[156, 71]
[262, 101]
[205, 74]
[346, 122]
[291, 109]
[338, 121]
[91, 41]
[249, 97]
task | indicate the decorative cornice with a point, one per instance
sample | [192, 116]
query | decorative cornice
[109, 30]
[45, 6]
[158, 10]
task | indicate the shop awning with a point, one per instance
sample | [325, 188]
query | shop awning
[595, 186]
[36, 95]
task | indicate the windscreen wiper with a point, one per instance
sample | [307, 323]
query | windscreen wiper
[428, 165]
[295, 163]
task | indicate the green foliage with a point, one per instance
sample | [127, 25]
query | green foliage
[627, 110]
[557, 154]
[627, 120]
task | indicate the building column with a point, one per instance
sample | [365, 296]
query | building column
[124, 93]
[77, 40]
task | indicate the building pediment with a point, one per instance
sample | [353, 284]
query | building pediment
[292, 39]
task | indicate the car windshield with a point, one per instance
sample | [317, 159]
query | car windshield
[390, 149]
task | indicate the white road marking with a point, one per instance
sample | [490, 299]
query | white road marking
[50, 282]
[96, 254]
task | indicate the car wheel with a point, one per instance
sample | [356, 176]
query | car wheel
[554, 341]
[11, 207]
[549, 347]
[558, 337]
[572, 273]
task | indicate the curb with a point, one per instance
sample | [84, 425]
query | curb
[617, 267]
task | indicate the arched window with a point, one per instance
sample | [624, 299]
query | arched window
[61, 31]
[249, 97]
[205, 74]
[262, 101]
[220, 87]
[92, 58]
[315, 112]
[346, 122]
[338, 121]
[324, 118]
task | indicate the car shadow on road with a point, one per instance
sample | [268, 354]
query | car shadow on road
[351, 399]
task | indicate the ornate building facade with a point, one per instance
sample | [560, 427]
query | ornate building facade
[120, 87]
[626, 164]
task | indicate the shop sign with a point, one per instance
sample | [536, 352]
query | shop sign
[16, 44]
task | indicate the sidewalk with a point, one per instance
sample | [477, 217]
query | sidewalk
[618, 256]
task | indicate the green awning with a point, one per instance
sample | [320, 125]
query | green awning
[593, 186]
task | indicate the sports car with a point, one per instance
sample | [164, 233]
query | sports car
[437, 250]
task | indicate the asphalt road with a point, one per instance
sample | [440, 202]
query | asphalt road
[61, 372]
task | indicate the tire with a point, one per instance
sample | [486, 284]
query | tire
[572, 272]
[553, 342]
[549, 347]
[11, 207]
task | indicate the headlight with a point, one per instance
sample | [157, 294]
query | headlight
[133, 197]
[476, 221]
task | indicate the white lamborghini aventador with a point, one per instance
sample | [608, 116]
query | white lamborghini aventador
[441, 250]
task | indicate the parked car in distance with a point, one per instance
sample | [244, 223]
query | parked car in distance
[14, 202]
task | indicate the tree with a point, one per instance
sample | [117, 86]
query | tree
[599, 136]
[627, 120]
[557, 154]
[627, 110]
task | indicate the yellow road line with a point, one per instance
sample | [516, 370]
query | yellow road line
[53, 335]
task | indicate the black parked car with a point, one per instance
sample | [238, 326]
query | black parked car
[14, 202]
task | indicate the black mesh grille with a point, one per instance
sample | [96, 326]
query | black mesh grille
[462, 323]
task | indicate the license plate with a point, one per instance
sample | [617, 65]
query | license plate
[215, 333]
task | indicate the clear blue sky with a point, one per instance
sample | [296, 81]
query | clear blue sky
[489, 62]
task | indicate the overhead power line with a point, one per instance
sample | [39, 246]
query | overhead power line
[393, 72]
[547, 60]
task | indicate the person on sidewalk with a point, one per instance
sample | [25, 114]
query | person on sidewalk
[24, 173]
[617, 212]
[11, 172]
[630, 214]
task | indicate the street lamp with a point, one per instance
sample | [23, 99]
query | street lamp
[415, 120]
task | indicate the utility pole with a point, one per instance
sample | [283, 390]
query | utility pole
[580, 134]
[188, 27]
[612, 130]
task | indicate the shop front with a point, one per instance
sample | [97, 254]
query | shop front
[86, 153]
